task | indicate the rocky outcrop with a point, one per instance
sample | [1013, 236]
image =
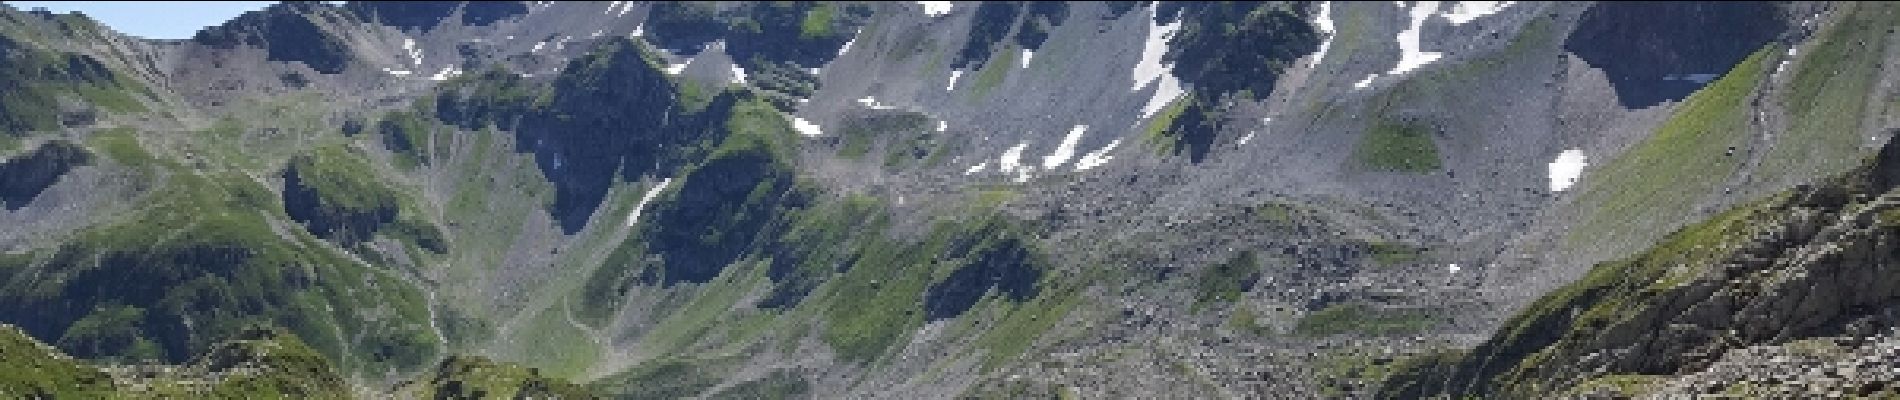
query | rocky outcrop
[23, 178]
[287, 33]
[1817, 262]
[1662, 51]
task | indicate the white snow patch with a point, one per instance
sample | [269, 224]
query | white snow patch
[1245, 139]
[953, 79]
[1467, 11]
[1151, 68]
[1411, 50]
[1096, 158]
[1065, 150]
[804, 127]
[1363, 83]
[415, 54]
[598, 33]
[1324, 21]
[1028, 54]
[538, 46]
[634, 217]
[977, 168]
[445, 73]
[872, 103]
[397, 72]
[624, 7]
[1409, 42]
[1452, 268]
[942, 125]
[937, 8]
[1011, 162]
[1565, 171]
[814, 71]
[676, 69]
[1012, 158]
[738, 75]
[638, 30]
[848, 43]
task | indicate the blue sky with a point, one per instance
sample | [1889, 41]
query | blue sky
[152, 19]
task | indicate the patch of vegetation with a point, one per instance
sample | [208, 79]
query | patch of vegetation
[405, 133]
[1023, 322]
[1390, 254]
[1827, 99]
[885, 285]
[1160, 131]
[200, 248]
[30, 369]
[471, 377]
[1399, 146]
[336, 195]
[860, 135]
[1245, 320]
[803, 33]
[1226, 282]
[1361, 319]
[1344, 373]
[1621, 386]
[779, 385]
[1556, 327]
[668, 379]
[35, 81]
[993, 73]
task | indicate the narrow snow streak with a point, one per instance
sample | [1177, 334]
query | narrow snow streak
[1467, 11]
[415, 54]
[1065, 150]
[446, 73]
[848, 43]
[1565, 171]
[1096, 158]
[676, 69]
[953, 80]
[872, 103]
[1324, 21]
[937, 8]
[634, 217]
[1028, 54]
[977, 168]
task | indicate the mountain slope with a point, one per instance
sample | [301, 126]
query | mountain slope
[918, 199]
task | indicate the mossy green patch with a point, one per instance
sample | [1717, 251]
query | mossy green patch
[993, 73]
[469, 377]
[1227, 281]
[1827, 98]
[1399, 146]
[1363, 319]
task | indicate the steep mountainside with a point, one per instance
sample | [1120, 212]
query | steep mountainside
[950, 199]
